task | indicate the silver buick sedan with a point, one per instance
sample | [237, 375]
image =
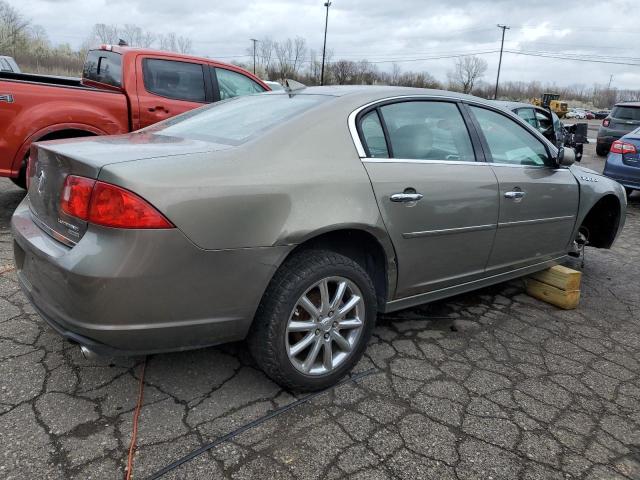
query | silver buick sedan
[292, 218]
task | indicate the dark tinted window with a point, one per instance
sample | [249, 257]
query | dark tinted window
[235, 121]
[234, 84]
[509, 142]
[373, 135]
[626, 113]
[427, 131]
[177, 80]
[104, 67]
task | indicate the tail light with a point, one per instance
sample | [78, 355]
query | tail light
[623, 147]
[606, 122]
[108, 205]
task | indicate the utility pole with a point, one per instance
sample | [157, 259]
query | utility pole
[324, 46]
[254, 54]
[610, 80]
[504, 28]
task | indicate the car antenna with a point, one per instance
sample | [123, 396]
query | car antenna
[292, 86]
[122, 43]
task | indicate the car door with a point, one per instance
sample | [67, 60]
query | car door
[170, 87]
[538, 200]
[438, 200]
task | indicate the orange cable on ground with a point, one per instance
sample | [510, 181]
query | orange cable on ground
[136, 415]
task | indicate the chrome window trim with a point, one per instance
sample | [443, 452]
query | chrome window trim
[413, 160]
[353, 129]
[351, 121]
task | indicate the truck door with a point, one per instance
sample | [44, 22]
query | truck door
[169, 87]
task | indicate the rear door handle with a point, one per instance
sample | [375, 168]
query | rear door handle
[406, 197]
[517, 195]
[158, 108]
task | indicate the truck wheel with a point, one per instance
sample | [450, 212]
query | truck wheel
[21, 179]
[601, 151]
[314, 321]
[628, 191]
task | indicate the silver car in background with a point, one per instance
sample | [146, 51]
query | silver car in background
[293, 218]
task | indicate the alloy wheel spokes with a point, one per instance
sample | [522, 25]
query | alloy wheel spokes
[324, 326]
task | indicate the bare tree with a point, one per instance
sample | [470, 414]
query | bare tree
[13, 27]
[104, 33]
[343, 71]
[183, 44]
[467, 71]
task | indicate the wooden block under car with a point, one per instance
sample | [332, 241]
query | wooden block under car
[559, 276]
[558, 285]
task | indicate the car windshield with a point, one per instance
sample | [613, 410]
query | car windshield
[627, 113]
[239, 119]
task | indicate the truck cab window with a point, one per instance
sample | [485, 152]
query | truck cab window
[176, 80]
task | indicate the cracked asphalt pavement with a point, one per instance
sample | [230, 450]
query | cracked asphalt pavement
[489, 385]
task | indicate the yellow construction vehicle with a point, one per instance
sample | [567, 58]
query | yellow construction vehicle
[550, 100]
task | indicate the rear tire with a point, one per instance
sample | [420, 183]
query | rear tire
[283, 324]
[21, 179]
[601, 151]
[628, 191]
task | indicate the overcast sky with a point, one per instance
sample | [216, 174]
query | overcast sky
[384, 31]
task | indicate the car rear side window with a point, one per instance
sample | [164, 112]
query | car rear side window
[424, 130]
[104, 67]
[176, 80]
[233, 84]
[626, 113]
[509, 143]
[373, 135]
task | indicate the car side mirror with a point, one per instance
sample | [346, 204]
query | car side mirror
[566, 157]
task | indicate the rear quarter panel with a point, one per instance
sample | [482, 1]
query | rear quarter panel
[40, 109]
[295, 182]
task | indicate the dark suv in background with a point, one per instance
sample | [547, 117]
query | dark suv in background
[624, 118]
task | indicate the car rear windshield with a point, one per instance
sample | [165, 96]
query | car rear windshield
[626, 113]
[239, 119]
[104, 67]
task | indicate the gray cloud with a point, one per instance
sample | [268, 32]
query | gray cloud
[382, 31]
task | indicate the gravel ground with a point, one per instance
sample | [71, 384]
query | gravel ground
[487, 385]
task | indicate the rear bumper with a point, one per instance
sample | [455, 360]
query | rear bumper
[140, 291]
[626, 175]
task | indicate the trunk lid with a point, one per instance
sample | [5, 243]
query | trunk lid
[52, 162]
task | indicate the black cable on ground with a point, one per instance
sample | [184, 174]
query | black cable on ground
[279, 411]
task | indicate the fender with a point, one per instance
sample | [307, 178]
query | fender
[59, 127]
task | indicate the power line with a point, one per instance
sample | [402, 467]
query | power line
[562, 57]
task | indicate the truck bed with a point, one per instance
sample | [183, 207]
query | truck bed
[48, 79]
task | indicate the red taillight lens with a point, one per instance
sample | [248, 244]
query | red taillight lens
[606, 122]
[108, 205]
[76, 195]
[622, 147]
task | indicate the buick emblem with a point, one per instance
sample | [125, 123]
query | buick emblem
[41, 180]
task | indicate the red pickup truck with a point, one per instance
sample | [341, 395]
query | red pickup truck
[122, 89]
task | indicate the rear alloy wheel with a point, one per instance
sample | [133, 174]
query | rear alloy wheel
[315, 320]
[21, 179]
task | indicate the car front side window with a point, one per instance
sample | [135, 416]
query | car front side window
[510, 143]
[427, 130]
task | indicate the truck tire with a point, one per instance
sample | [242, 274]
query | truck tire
[601, 151]
[314, 321]
[21, 179]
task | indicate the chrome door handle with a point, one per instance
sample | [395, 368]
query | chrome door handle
[514, 195]
[406, 197]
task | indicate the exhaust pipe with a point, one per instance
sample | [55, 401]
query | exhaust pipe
[88, 354]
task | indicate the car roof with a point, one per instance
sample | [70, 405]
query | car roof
[627, 104]
[513, 105]
[371, 93]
